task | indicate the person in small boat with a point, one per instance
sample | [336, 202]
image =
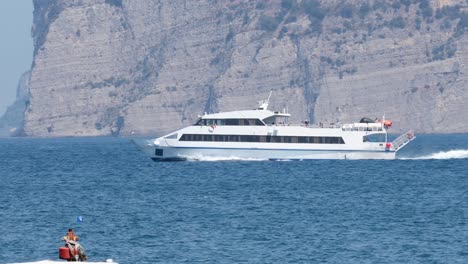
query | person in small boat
[76, 250]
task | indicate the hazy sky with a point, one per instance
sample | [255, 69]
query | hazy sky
[16, 48]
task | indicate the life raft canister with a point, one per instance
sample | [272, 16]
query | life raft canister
[64, 253]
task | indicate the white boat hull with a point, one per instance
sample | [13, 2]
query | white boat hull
[191, 153]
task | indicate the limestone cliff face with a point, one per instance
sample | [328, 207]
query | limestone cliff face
[120, 67]
[11, 123]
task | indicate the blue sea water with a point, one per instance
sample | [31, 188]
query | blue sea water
[133, 210]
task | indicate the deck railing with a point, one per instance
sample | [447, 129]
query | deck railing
[403, 140]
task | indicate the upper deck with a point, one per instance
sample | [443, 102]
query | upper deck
[270, 118]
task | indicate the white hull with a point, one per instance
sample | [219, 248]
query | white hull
[192, 153]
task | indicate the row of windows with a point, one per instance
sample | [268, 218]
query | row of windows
[262, 139]
[381, 137]
[230, 122]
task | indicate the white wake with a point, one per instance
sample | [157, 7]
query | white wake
[443, 155]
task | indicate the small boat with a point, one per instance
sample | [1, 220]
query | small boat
[58, 262]
[265, 134]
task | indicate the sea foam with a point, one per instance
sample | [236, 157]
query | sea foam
[442, 155]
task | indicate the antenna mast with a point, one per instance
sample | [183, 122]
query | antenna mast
[268, 100]
[263, 105]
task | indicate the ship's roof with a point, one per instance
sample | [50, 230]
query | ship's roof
[244, 114]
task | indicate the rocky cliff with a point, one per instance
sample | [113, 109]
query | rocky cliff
[11, 123]
[120, 67]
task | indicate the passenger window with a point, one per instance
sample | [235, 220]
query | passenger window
[172, 136]
[201, 122]
[232, 122]
[259, 123]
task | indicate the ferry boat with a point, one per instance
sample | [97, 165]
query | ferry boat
[265, 134]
